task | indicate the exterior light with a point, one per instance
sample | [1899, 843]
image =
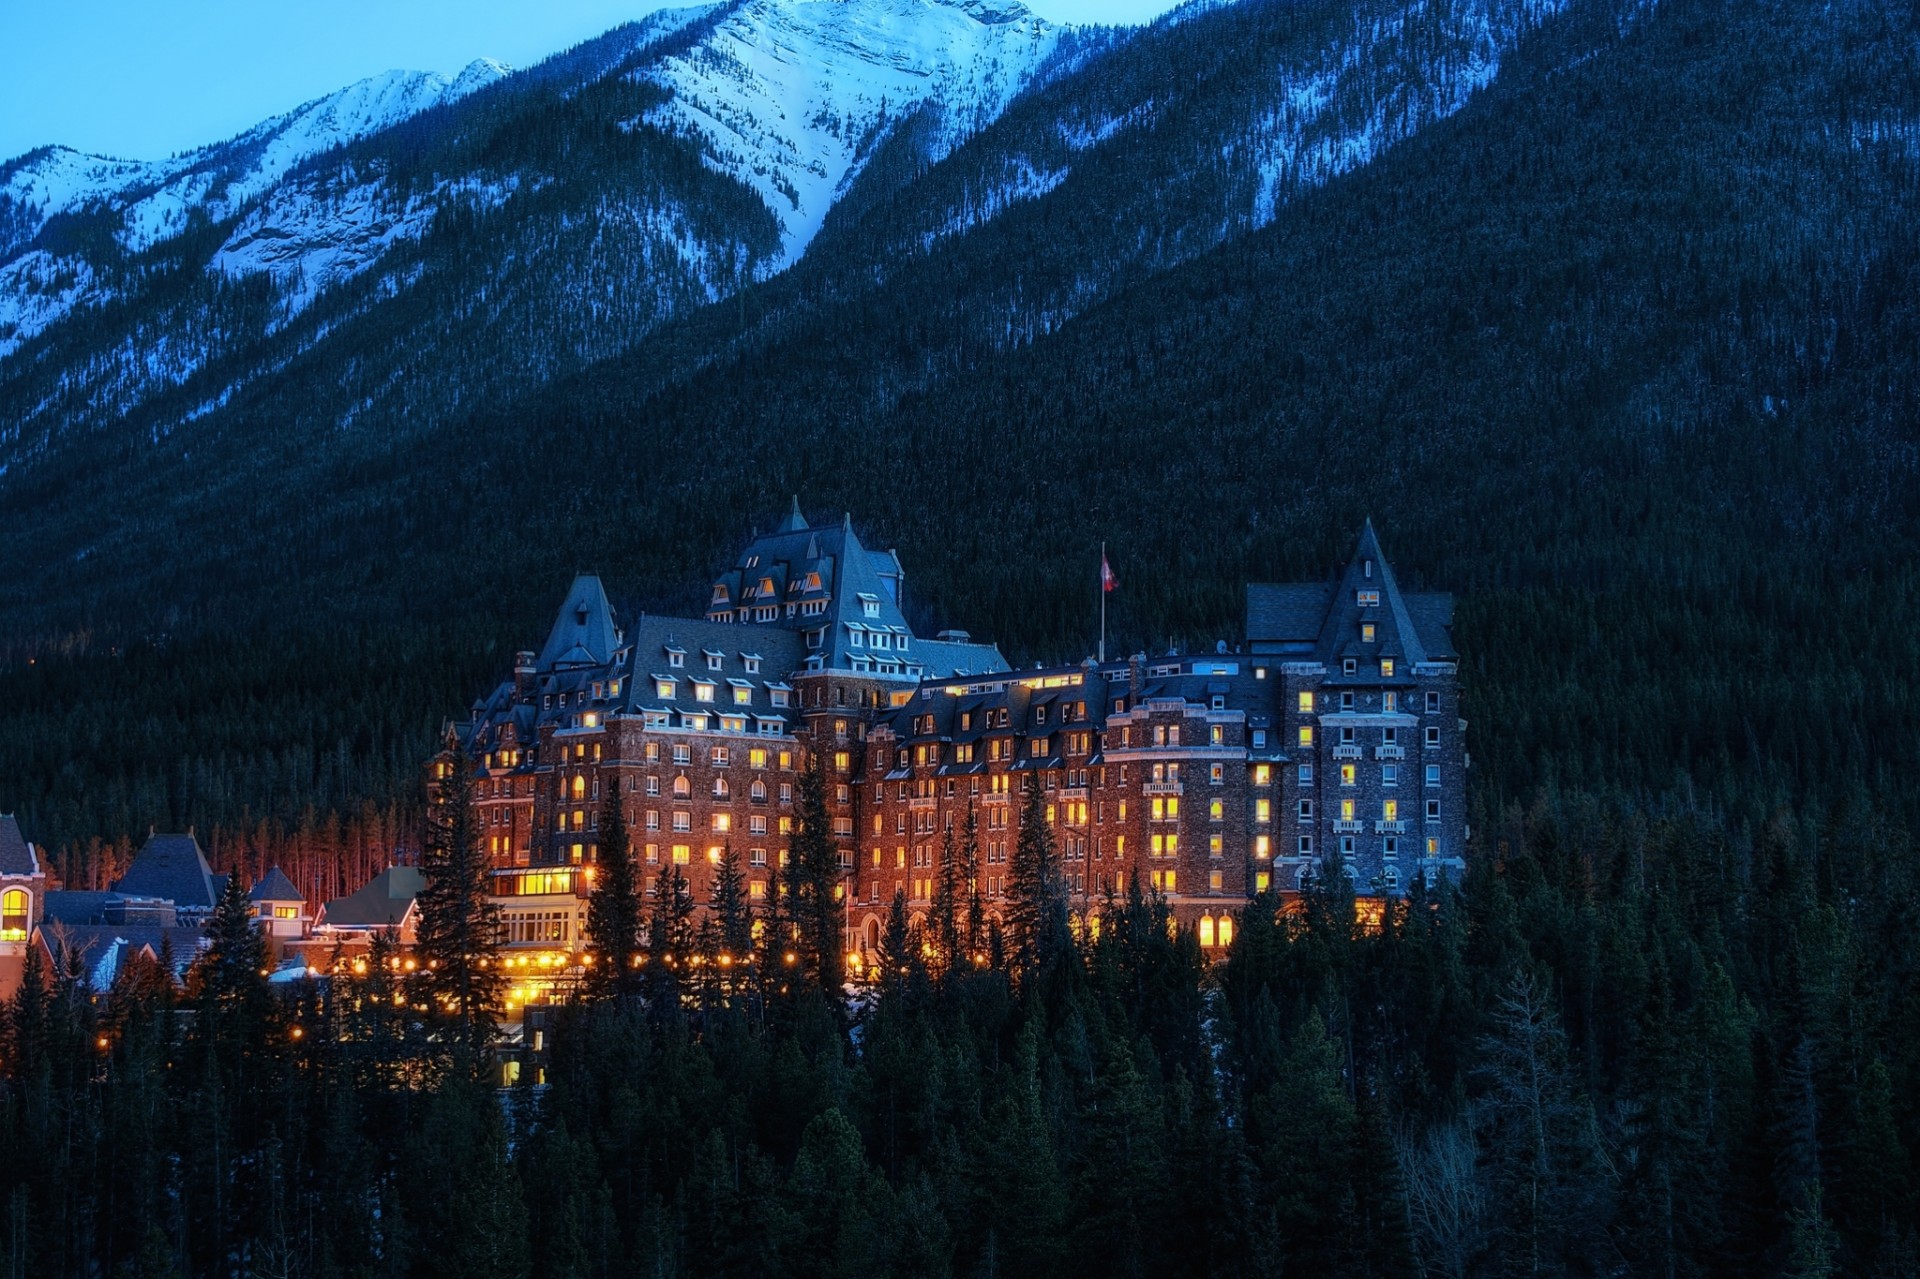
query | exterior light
[101, 1043]
[298, 1032]
[791, 957]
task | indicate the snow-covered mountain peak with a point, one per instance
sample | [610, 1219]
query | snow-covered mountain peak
[786, 95]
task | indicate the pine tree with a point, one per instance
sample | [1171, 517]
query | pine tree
[814, 875]
[1036, 900]
[944, 919]
[976, 934]
[732, 910]
[236, 1004]
[669, 934]
[613, 911]
[459, 934]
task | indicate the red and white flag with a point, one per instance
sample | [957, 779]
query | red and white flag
[1107, 579]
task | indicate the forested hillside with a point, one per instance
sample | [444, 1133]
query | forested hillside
[1622, 352]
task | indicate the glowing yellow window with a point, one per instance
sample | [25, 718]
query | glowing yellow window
[1226, 928]
[1216, 845]
[682, 854]
[757, 758]
[1262, 881]
[1217, 811]
[579, 787]
[1119, 845]
[1389, 810]
[1306, 734]
[1347, 774]
[13, 915]
[1262, 810]
[1206, 931]
[723, 821]
[876, 854]
[663, 688]
[1262, 774]
[702, 692]
[286, 912]
[842, 761]
[757, 891]
[1433, 846]
[1263, 845]
[1346, 810]
[1386, 667]
[786, 759]
[1306, 702]
[1366, 632]
[900, 858]
[713, 854]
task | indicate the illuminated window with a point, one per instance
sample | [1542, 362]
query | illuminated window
[1306, 734]
[1216, 734]
[1306, 701]
[1214, 880]
[1347, 774]
[1262, 881]
[1206, 931]
[1217, 811]
[579, 787]
[757, 890]
[1346, 810]
[1263, 810]
[757, 757]
[742, 695]
[13, 915]
[286, 912]
[1386, 668]
[1366, 632]
[1263, 845]
[653, 854]
[1163, 881]
[713, 854]
[1217, 774]
[702, 691]
[842, 761]
[664, 687]
[722, 822]
[1389, 810]
[1216, 845]
[682, 854]
[1226, 924]
[1262, 774]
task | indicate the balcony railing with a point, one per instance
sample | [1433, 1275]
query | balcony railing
[1347, 828]
[919, 802]
[1162, 788]
[1389, 752]
[1346, 752]
[1384, 827]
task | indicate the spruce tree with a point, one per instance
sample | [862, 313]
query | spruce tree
[459, 935]
[732, 911]
[669, 933]
[236, 1005]
[613, 911]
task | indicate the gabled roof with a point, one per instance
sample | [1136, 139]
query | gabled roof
[102, 949]
[174, 868]
[1322, 621]
[16, 854]
[583, 632]
[274, 886]
[381, 902]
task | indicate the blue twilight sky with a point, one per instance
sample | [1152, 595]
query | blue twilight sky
[145, 78]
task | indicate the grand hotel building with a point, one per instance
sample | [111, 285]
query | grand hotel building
[1334, 727]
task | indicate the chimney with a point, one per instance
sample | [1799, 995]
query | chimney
[523, 675]
[1135, 669]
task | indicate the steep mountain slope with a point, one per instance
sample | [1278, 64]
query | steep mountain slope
[552, 219]
[1621, 351]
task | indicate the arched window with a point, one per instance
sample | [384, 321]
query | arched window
[579, 786]
[1206, 931]
[13, 915]
[720, 789]
[682, 788]
[1226, 930]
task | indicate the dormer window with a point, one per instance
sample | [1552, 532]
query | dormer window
[751, 663]
[1368, 599]
[1349, 667]
[882, 640]
[855, 638]
[664, 687]
[676, 658]
[1366, 632]
[713, 660]
[1386, 668]
[900, 641]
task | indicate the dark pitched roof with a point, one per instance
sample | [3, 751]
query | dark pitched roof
[381, 902]
[275, 887]
[583, 633]
[173, 867]
[1322, 620]
[16, 854]
[68, 906]
[103, 948]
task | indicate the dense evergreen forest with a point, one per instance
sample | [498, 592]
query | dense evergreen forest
[1623, 354]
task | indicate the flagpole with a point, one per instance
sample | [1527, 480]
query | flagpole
[1103, 601]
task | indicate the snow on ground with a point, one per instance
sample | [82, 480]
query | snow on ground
[37, 289]
[784, 93]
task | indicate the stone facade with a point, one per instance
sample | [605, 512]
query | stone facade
[1330, 738]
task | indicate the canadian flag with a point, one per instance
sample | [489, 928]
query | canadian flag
[1107, 579]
